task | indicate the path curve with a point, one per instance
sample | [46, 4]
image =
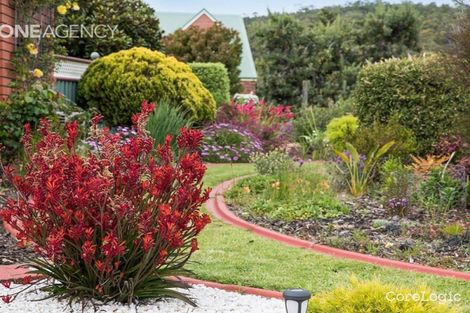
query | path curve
[217, 206]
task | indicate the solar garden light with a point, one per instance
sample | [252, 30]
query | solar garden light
[94, 55]
[296, 300]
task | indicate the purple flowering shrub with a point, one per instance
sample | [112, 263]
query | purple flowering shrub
[225, 142]
[125, 134]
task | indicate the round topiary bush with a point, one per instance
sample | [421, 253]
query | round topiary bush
[214, 76]
[420, 90]
[118, 83]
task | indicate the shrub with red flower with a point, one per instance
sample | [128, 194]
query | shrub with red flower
[115, 223]
[272, 123]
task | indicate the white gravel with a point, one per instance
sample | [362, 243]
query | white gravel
[209, 300]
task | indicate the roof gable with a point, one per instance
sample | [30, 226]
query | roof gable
[201, 14]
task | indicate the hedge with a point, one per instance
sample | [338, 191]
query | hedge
[118, 83]
[420, 90]
[214, 76]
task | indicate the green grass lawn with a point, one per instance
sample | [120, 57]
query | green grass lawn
[234, 256]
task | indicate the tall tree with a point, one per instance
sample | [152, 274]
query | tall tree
[284, 62]
[215, 44]
[133, 22]
[328, 50]
[389, 31]
[460, 39]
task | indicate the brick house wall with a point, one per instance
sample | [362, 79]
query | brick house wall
[7, 46]
[203, 22]
[248, 86]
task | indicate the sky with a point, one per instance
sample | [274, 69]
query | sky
[248, 7]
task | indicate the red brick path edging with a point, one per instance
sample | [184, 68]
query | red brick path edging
[217, 206]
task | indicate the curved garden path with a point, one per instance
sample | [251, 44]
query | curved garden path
[217, 206]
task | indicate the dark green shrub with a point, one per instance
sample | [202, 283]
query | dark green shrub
[166, 120]
[367, 138]
[28, 106]
[421, 91]
[118, 83]
[214, 76]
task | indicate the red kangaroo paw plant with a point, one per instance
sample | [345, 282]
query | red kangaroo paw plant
[112, 224]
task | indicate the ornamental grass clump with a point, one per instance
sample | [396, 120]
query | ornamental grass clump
[113, 224]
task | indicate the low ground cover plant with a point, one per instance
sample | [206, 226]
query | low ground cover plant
[272, 162]
[299, 194]
[112, 224]
[226, 142]
[375, 297]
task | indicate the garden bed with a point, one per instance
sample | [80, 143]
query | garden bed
[369, 228]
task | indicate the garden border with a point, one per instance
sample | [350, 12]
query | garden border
[217, 206]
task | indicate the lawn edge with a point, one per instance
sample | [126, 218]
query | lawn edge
[217, 206]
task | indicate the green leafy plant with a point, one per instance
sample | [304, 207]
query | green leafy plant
[25, 106]
[166, 120]
[359, 169]
[272, 162]
[439, 191]
[398, 186]
[340, 130]
[117, 84]
[368, 137]
[214, 77]
[375, 297]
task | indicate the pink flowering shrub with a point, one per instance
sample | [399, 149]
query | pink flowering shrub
[272, 123]
[115, 223]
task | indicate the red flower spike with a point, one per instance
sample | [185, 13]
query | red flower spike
[27, 280]
[6, 299]
[6, 283]
[147, 242]
[72, 133]
[189, 139]
[115, 205]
